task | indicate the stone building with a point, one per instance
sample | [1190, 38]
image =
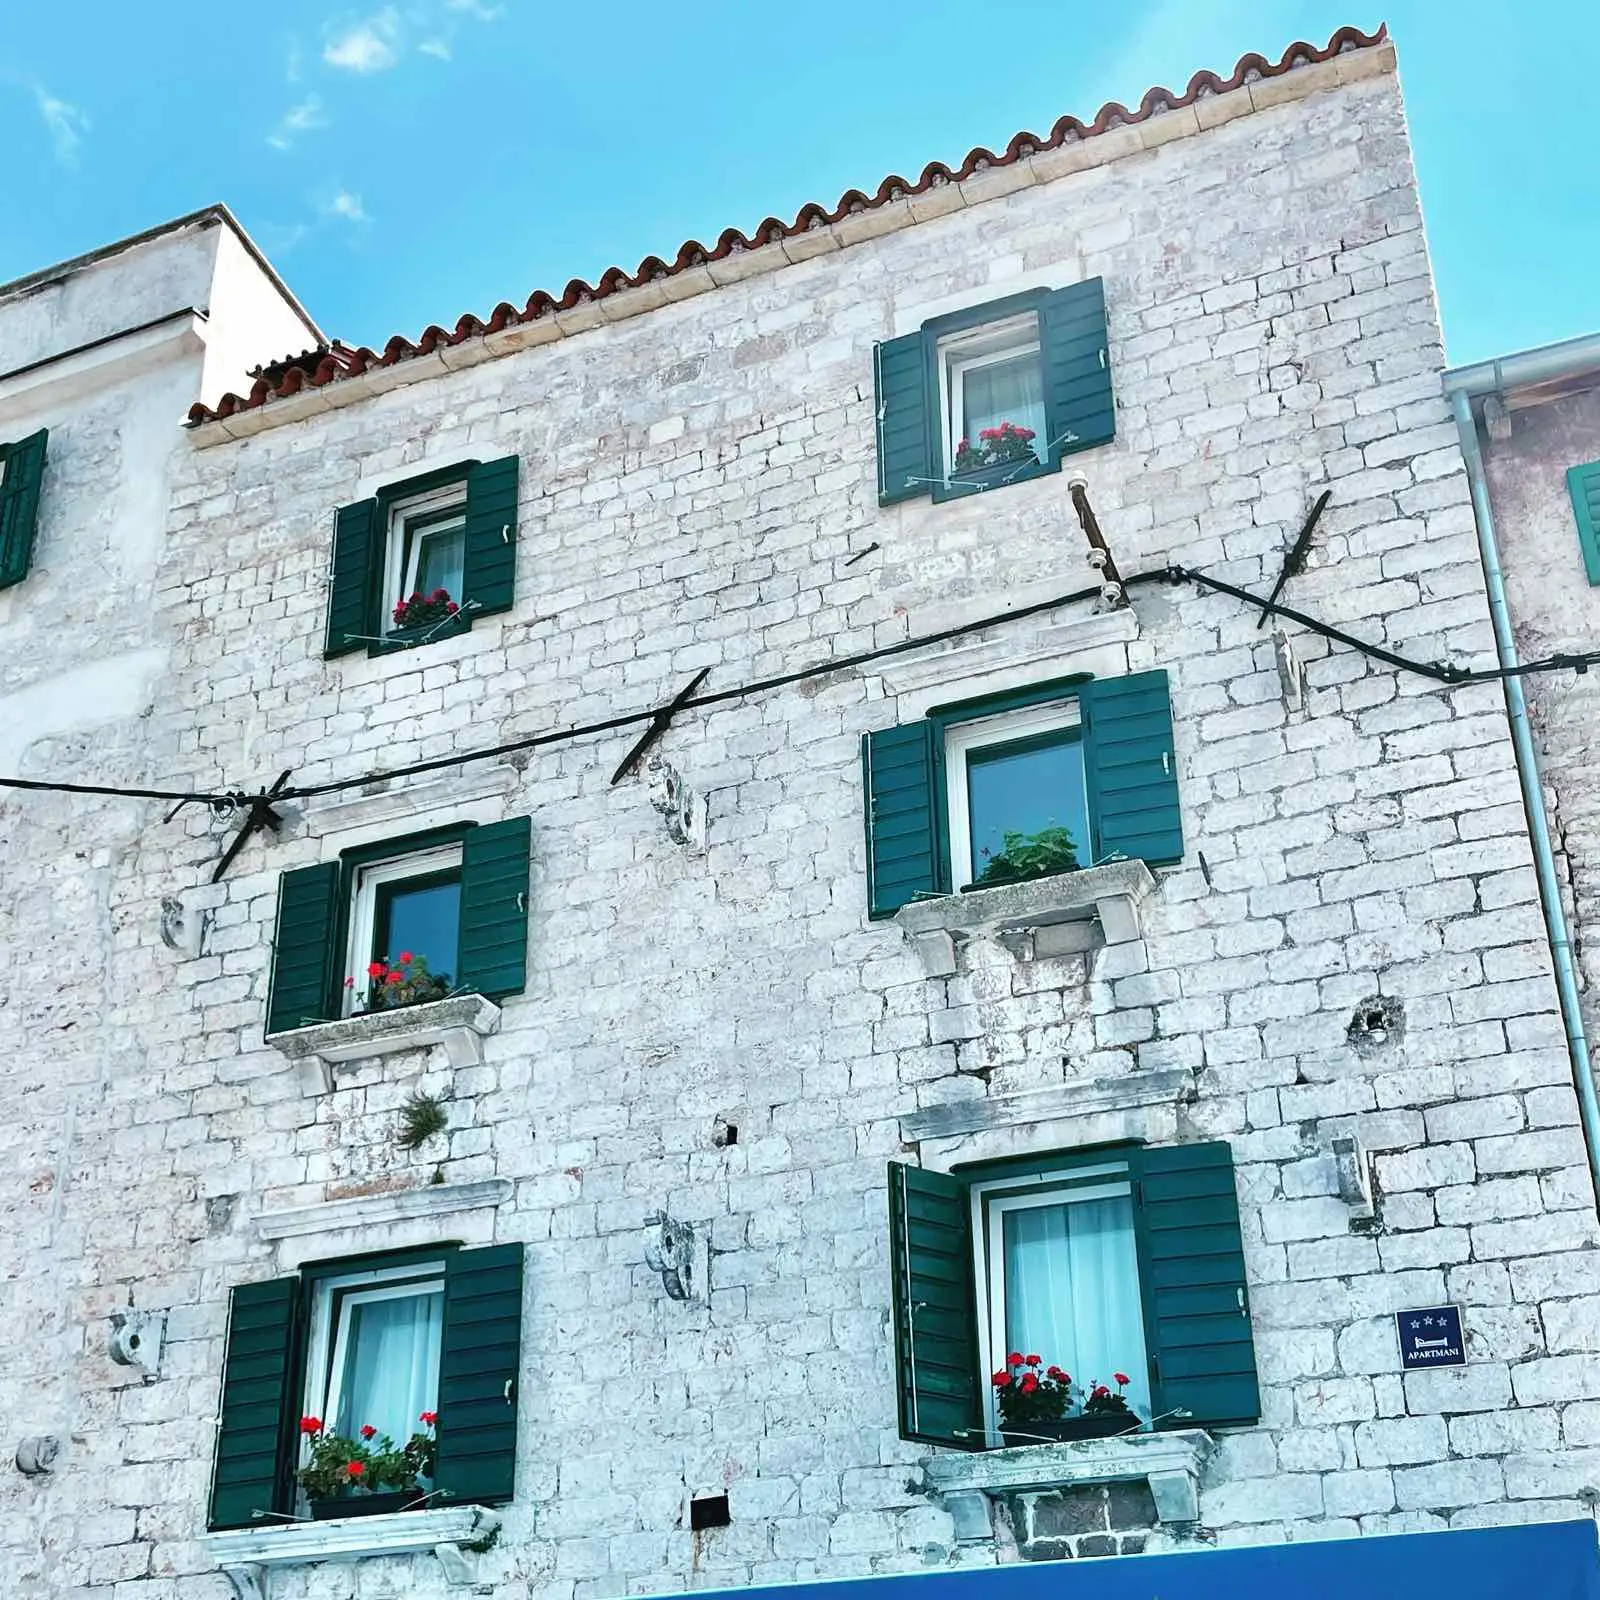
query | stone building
[761, 1097]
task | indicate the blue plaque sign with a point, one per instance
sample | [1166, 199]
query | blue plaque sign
[1431, 1338]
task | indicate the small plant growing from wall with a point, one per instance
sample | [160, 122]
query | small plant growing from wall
[421, 1117]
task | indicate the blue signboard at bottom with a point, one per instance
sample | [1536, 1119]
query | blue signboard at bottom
[1431, 1338]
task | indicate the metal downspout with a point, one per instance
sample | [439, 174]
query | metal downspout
[1555, 916]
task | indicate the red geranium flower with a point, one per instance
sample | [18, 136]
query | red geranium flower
[1056, 1373]
[404, 958]
[1123, 1380]
[429, 1417]
[368, 1431]
[310, 1425]
[355, 1468]
[1029, 1384]
[1014, 1359]
[451, 609]
[1000, 1379]
[376, 969]
[1100, 1390]
[1033, 1361]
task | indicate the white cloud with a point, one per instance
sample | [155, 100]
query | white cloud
[346, 204]
[372, 45]
[67, 124]
[438, 48]
[476, 8]
[296, 120]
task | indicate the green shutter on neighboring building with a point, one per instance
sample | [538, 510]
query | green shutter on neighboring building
[302, 947]
[935, 1324]
[905, 455]
[1583, 484]
[1079, 409]
[256, 1404]
[490, 571]
[353, 588]
[1131, 768]
[21, 475]
[494, 908]
[479, 1374]
[1196, 1299]
[904, 856]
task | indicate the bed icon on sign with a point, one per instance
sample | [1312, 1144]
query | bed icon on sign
[1431, 1338]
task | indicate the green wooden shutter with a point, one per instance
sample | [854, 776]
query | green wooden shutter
[22, 465]
[494, 908]
[479, 1367]
[303, 947]
[490, 571]
[905, 452]
[1583, 484]
[257, 1406]
[1196, 1299]
[353, 620]
[903, 835]
[935, 1318]
[1131, 768]
[1079, 410]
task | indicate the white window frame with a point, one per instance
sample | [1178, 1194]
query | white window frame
[323, 1376]
[985, 346]
[962, 738]
[399, 568]
[364, 906]
[988, 1246]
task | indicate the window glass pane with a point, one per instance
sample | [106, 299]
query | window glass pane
[390, 1372]
[421, 917]
[1072, 1291]
[439, 561]
[1004, 391]
[1025, 786]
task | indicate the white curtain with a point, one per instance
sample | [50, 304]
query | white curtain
[391, 1363]
[1007, 391]
[1072, 1292]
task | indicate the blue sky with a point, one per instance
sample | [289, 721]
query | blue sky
[404, 163]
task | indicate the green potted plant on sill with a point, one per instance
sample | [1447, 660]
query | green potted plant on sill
[1028, 855]
[407, 982]
[1039, 1410]
[368, 1476]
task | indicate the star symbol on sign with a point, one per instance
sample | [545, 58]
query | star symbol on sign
[1415, 1324]
[1427, 1322]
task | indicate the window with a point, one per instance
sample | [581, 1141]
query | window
[1125, 1258]
[21, 474]
[1583, 484]
[993, 395]
[372, 1340]
[455, 897]
[1050, 779]
[424, 558]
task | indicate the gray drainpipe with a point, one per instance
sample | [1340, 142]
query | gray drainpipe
[1460, 386]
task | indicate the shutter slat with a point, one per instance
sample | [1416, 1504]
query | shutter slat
[1197, 1312]
[256, 1403]
[1079, 408]
[489, 579]
[1131, 767]
[19, 505]
[1583, 484]
[905, 457]
[302, 947]
[902, 825]
[477, 1428]
[353, 599]
[494, 915]
[935, 1319]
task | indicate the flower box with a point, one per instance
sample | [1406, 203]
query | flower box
[380, 1504]
[1086, 1425]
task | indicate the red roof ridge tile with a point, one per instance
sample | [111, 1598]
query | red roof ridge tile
[324, 365]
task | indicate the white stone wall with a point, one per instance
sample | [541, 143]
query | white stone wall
[695, 480]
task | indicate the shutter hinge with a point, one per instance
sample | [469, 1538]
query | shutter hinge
[1102, 358]
[522, 902]
[511, 1389]
[505, 533]
[1244, 1310]
[1166, 762]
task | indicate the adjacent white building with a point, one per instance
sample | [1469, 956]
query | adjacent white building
[996, 951]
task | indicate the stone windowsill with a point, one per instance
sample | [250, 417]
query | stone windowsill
[1067, 914]
[383, 1210]
[247, 1556]
[1169, 1462]
[460, 1024]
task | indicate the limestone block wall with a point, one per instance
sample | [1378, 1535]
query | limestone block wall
[697, 485]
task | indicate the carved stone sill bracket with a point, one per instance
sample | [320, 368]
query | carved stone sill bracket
[1067, 914]
[969, 1482]
[247, 1556]
[460, 1024]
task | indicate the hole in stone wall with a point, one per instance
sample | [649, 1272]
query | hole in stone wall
[1377, 1023]
[709, 1511]
[724, 1133]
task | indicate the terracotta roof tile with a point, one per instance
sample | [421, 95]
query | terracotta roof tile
[331, 364]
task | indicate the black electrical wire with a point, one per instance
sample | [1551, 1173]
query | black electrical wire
[185, 795]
